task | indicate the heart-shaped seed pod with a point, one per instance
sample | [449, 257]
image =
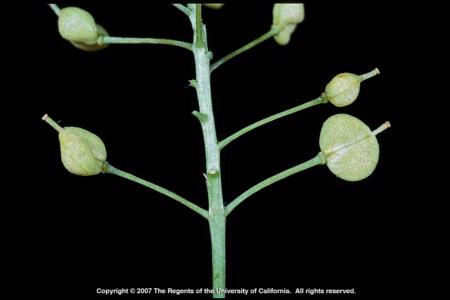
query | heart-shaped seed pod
[78, 26]
[286, 16]
[344, 88]
[82, 152]
[214, 5]
[349, 147]
[94, 47]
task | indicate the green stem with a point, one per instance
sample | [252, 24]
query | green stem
[184, 9]
[200, 42]
[317, 160]
[250, 45]
[128, 40]
[225, 142]
[212, 153]
[111, 170]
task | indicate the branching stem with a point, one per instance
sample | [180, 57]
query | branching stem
[205, 115]
[130, 40]
[239, 133]
[184, 9]
[248, 46]
[112, 170]
[317, 160]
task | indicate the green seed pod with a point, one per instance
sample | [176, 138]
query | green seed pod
[286, 16]
[214, 5]
[349, 147]
[82, 152]
[343, 89]
[284, 36]
[78, 26]
[94, 47]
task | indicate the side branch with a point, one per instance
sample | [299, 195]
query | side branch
[111, 170]
[200, 43]
[128, 40]
[317, 160]
[319, 100]
[250, 45]
[183, 9]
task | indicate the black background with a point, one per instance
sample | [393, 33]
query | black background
[382, 236]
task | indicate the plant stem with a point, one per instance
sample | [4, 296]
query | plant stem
[317, 160]
[250, 45]
[199, 40]
[212, 153]
[184, 9]
[226, 141]
[128, 40]
[112, 170]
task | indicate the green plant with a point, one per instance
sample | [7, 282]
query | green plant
[348, 147]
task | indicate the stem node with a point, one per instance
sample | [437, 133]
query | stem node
[200, 116]
[193, 83]
[213, 172]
